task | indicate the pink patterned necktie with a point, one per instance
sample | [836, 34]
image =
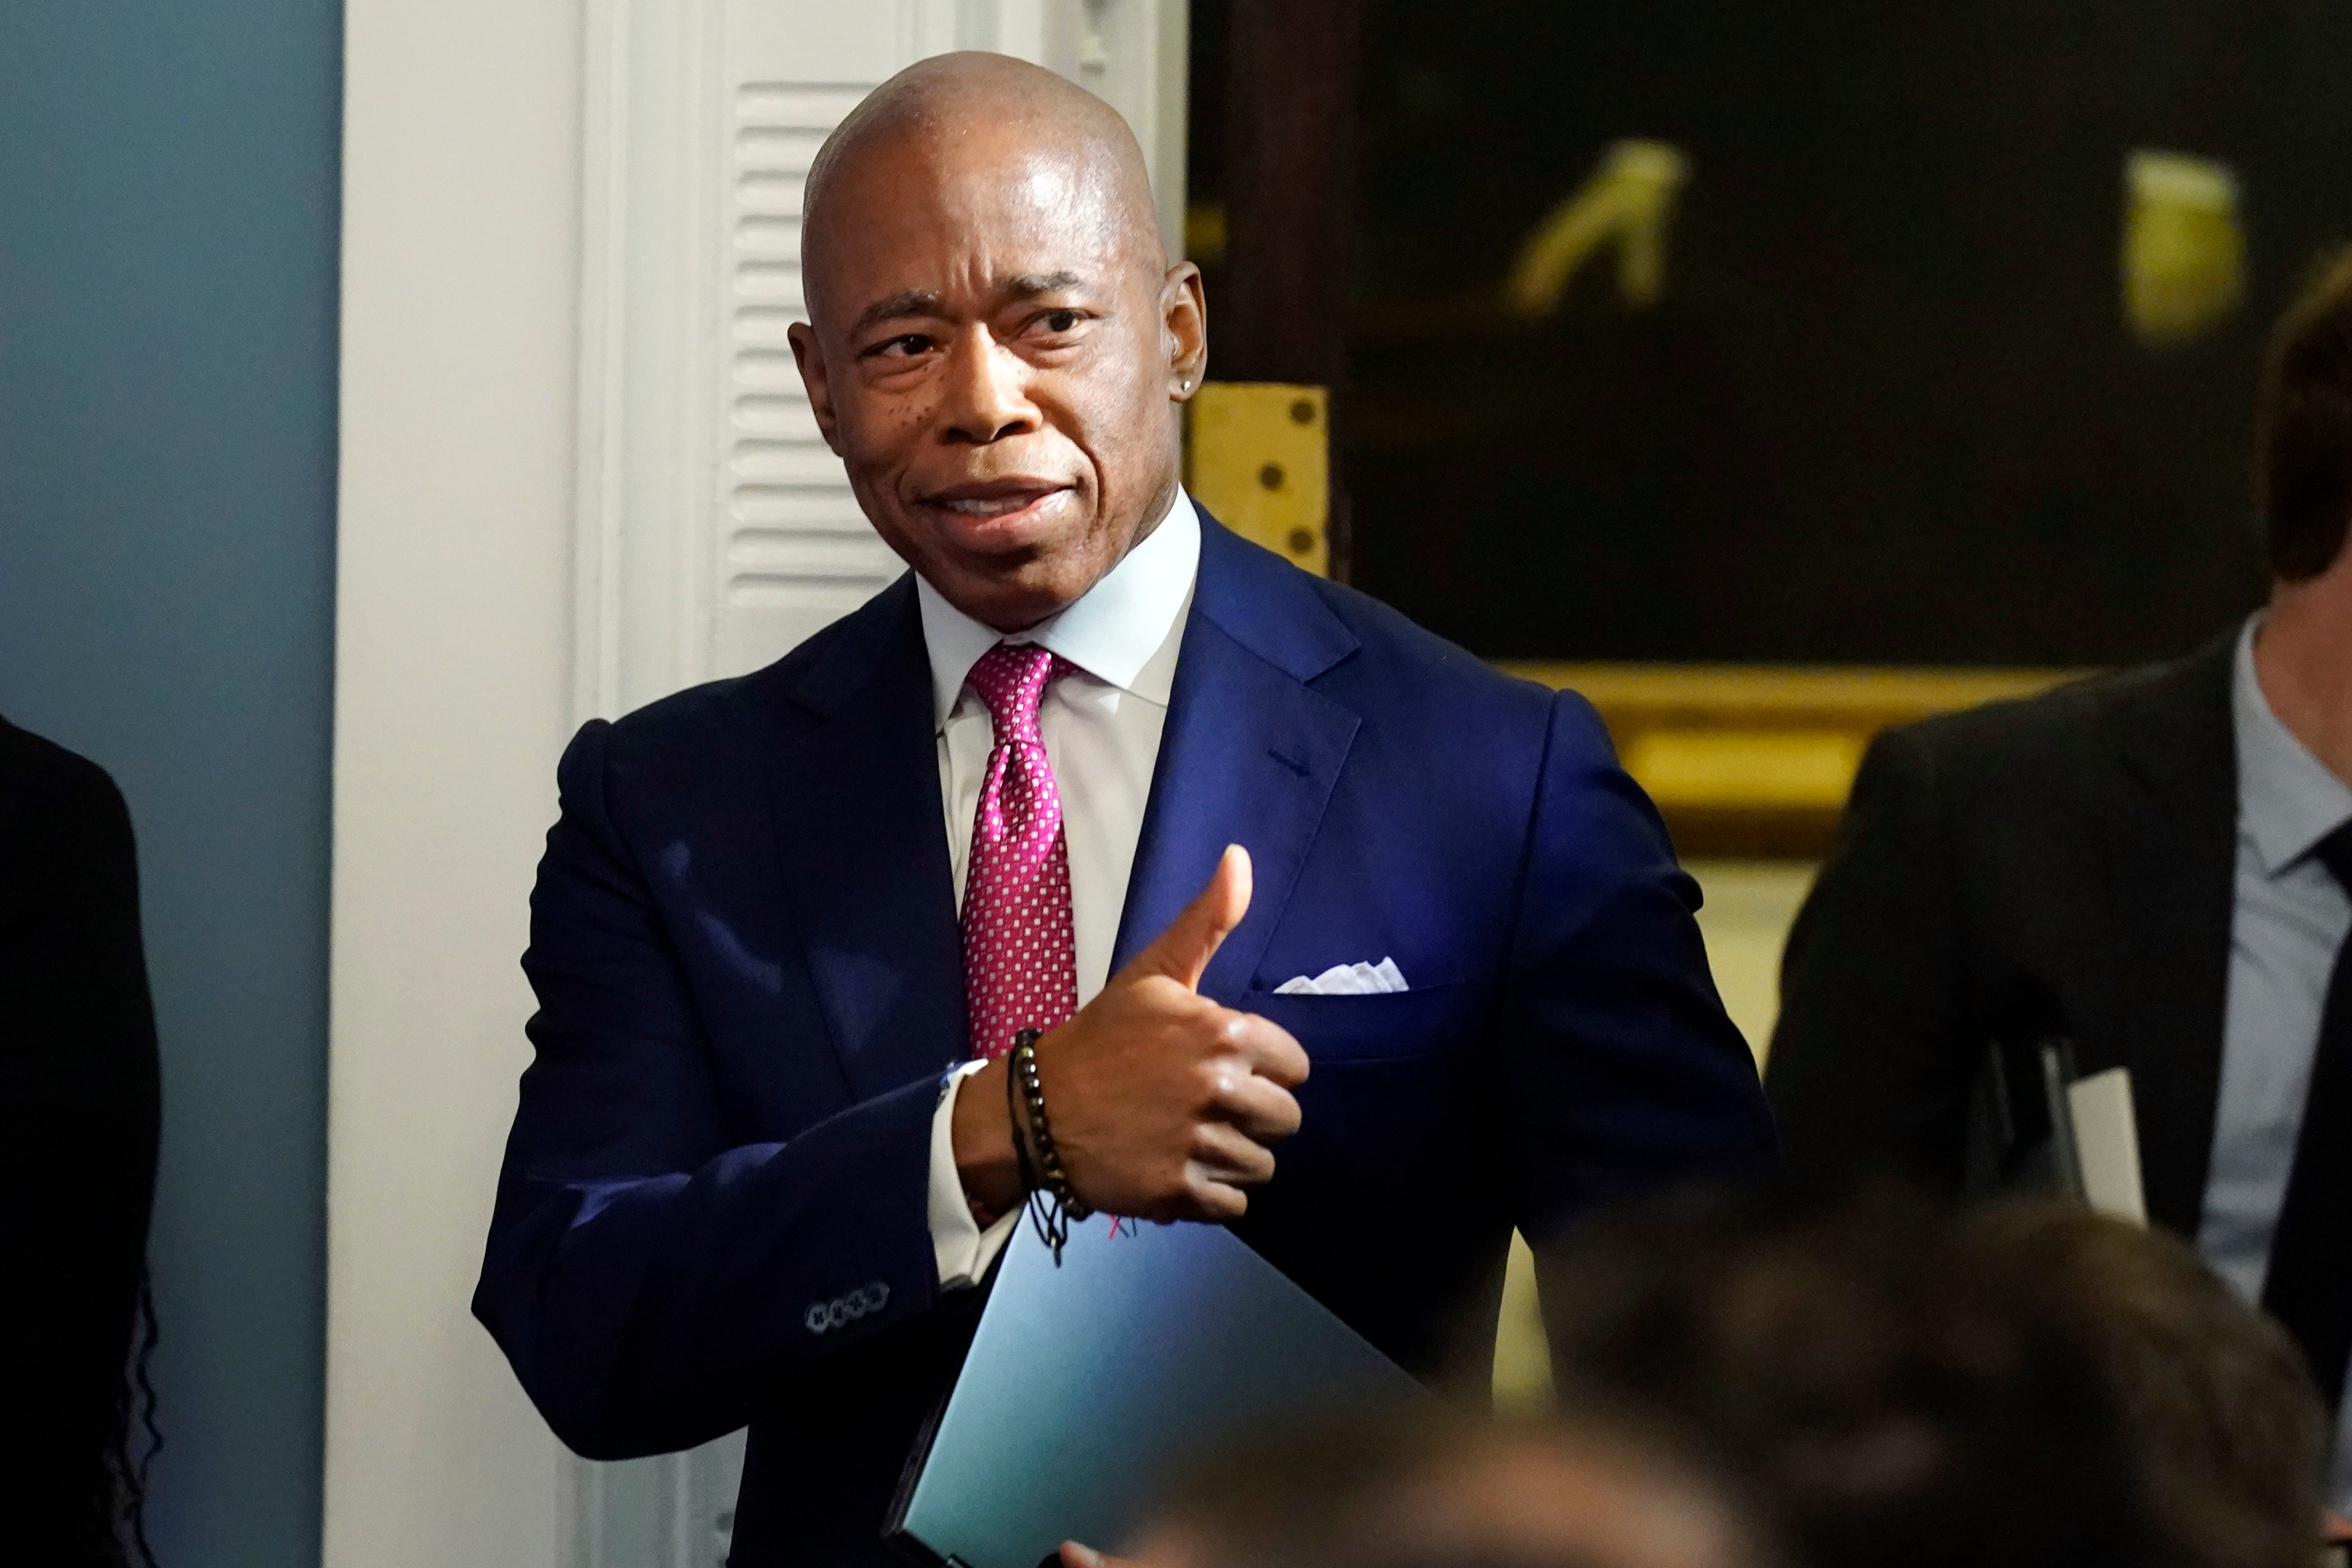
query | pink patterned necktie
[1019, 955]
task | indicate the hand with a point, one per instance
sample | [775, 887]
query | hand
[1163, 1103]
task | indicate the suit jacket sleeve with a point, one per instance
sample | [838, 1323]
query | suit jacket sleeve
[1871, 1063]
[80, 1115]
[1619, 1071]
[651, 1275]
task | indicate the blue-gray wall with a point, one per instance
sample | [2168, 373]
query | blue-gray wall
[168, 187]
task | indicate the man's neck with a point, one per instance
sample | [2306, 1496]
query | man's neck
[2303, 657]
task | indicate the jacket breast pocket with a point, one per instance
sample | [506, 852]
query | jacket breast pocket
[1387, 1025]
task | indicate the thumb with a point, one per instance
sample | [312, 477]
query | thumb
[1192, 938]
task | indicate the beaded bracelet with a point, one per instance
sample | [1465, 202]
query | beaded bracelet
[1051, 1208]
[1020, 1138]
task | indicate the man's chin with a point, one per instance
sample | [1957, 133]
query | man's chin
[1014, 590]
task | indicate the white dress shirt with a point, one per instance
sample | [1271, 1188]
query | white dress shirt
[2289, 921]
[1101, 726]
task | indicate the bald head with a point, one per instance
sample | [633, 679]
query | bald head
[996, 112]
[996, 346]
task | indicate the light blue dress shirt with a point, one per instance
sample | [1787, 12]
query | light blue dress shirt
[2289, 922]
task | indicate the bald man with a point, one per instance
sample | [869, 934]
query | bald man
[1233, 857]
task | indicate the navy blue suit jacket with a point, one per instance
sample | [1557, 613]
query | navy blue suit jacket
[744, 943]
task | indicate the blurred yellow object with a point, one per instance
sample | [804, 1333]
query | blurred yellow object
[1522, 1357]
[1757, 760]
[1769, 770]
[2184, 259]
[1260, 458]
[1626, 203]
[1204, 232]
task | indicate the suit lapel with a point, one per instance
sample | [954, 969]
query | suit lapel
[1250, 754]
[856, 798]
[2174, 848]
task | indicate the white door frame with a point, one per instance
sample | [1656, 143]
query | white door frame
[453, 687]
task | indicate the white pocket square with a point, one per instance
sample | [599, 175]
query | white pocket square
[1347, 980]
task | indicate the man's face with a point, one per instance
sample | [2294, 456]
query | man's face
[993, 356]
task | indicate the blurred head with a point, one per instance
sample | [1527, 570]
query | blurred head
[2218, 1408]
[2304, 446]
[1855, 1369]
[1454, 1493]
[996, 344]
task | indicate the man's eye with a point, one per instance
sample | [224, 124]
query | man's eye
[1060, 321]
[903, 347]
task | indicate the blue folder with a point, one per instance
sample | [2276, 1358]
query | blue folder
[1087, 1383]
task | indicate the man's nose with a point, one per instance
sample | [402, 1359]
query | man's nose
[987, 396]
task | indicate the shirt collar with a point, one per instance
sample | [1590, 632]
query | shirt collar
[2287, 799]
[1112, 631]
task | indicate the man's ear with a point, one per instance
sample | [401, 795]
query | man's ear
[1184, 328]
[817, 380]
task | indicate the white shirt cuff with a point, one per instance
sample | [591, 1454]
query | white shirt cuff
[961, 1249]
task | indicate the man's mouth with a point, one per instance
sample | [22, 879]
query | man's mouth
[1017, 503]
[995, 505]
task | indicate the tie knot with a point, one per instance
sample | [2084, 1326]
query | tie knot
[2335, 852]
[1011, 678]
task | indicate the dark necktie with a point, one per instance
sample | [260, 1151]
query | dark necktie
[2309, 1285]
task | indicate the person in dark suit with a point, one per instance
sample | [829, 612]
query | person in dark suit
[2153, 863]
[79, 1094]
[1239, 856]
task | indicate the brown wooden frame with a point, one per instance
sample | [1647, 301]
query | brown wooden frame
[1290, 112]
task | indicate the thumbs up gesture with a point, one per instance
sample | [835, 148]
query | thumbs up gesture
[1164, 1104]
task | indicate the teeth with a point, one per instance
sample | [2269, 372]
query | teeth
[994, 506]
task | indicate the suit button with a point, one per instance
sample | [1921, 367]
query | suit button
[817, 1320]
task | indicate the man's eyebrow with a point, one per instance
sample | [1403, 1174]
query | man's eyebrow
[913, 302]
[907, 303]
[1029, 285]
